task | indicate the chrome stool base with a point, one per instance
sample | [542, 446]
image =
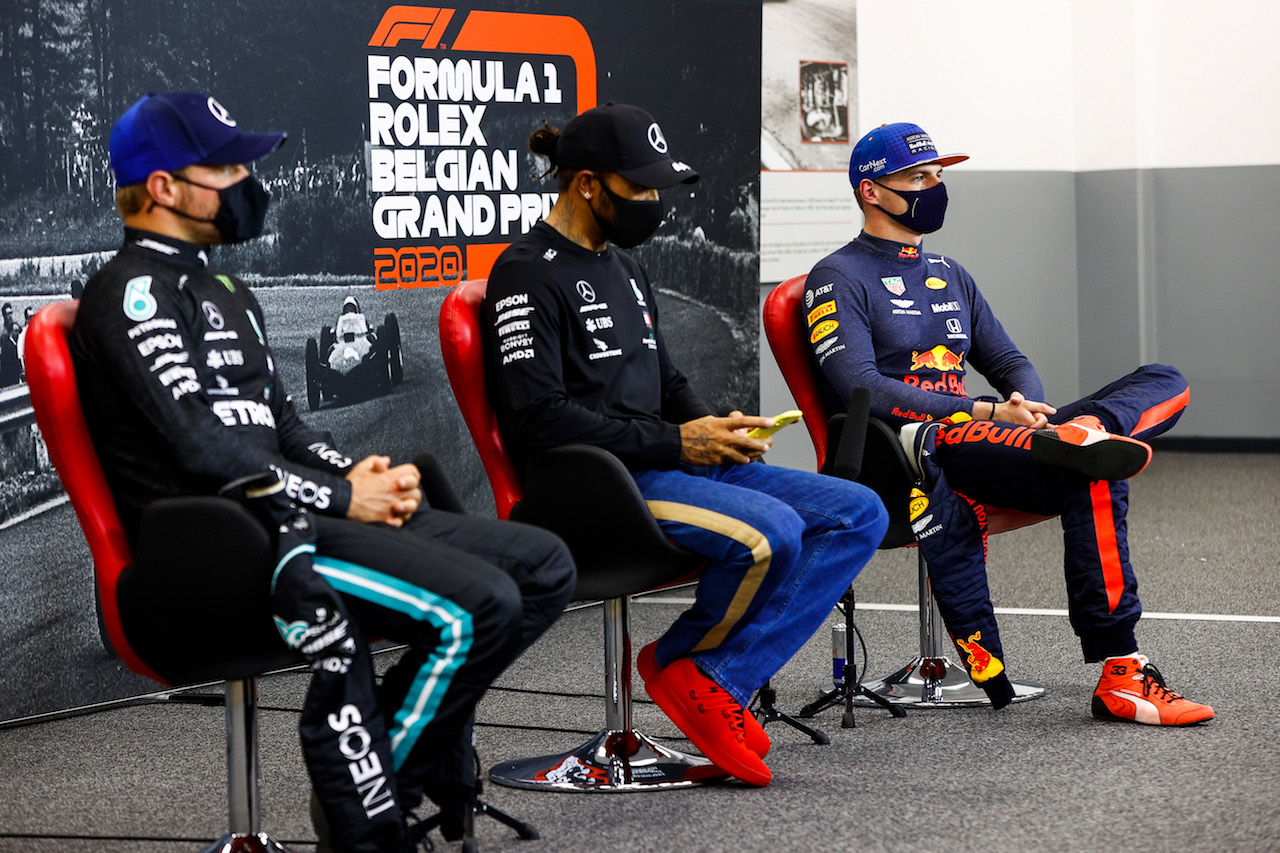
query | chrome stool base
[238, 842]
[610, 762]
[938, 683]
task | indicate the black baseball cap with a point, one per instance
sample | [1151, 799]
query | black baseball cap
[171, 130]
[624, 139]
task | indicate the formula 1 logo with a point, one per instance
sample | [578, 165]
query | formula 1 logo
[411, 22]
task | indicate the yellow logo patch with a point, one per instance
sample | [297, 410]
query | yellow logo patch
[821, 311]
[934, 283]
[917, 505]
[823, 329]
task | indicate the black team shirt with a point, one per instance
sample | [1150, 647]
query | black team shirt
[179, 387]
[575, 355]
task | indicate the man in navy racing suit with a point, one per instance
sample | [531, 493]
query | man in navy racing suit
[884, 314]
[181, 394]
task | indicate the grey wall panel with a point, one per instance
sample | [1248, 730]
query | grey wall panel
[1016, 234]
[1216, 293]
[1109, 272]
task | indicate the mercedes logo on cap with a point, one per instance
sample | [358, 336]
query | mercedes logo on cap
[220, 113]
[656, 139]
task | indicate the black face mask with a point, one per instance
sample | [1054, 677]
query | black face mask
[242, 209]
[634, 220]
[926, 209]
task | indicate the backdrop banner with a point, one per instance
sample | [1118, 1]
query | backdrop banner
[406, 171]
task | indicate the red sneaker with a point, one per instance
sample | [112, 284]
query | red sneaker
[706, 713]
[1082, 445]
[1132, 690]
[753, 734]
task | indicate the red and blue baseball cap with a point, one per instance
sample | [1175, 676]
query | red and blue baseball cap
[172, 130]
[623, 139]
[893, 147]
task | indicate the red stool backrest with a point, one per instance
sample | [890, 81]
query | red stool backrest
[55, 398]
[462, 345]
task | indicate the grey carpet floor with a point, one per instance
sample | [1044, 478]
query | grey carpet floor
[1038, 776]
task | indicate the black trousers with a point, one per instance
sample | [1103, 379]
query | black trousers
[467, 595]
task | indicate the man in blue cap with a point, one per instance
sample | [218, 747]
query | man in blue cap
[885, 315]
[181, 395]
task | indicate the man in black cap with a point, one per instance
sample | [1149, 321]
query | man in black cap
[576, 353]
[181, 395]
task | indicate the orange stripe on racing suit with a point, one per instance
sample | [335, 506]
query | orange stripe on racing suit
[1158, 414]
[1104, 525]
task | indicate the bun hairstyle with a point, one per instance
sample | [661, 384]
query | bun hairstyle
[543, 142]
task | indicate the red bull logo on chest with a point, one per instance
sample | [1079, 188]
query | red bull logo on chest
[938, 358]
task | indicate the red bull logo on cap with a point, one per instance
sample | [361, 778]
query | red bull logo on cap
[938, 358]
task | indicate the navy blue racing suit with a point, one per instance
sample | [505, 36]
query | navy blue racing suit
[181, 395]
[907, 325]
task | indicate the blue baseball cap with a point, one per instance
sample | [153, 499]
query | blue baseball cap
[893, 147]
[172, 130]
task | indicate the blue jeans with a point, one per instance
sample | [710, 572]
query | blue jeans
[783, 546]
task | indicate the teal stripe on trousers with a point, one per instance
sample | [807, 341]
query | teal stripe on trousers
[432, 681]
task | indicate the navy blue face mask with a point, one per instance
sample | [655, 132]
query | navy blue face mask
[242, 209]
[926, 209]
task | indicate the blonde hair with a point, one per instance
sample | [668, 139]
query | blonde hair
[131, 199]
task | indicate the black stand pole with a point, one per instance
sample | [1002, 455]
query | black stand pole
[850, 686]
[766, 712]
[418, 832]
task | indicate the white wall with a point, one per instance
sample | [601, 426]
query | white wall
[1077, 85]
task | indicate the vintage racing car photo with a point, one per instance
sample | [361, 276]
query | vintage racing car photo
[351, 361]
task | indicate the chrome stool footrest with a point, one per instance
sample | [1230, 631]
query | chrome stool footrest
[608, 763]
[938, 683]
[237, 842]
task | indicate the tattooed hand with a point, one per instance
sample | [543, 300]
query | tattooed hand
[715, 441]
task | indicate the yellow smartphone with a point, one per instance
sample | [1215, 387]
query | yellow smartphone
[779, 421]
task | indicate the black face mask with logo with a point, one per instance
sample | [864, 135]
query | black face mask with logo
[242, 209]
[926, 209]
[634, 220]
